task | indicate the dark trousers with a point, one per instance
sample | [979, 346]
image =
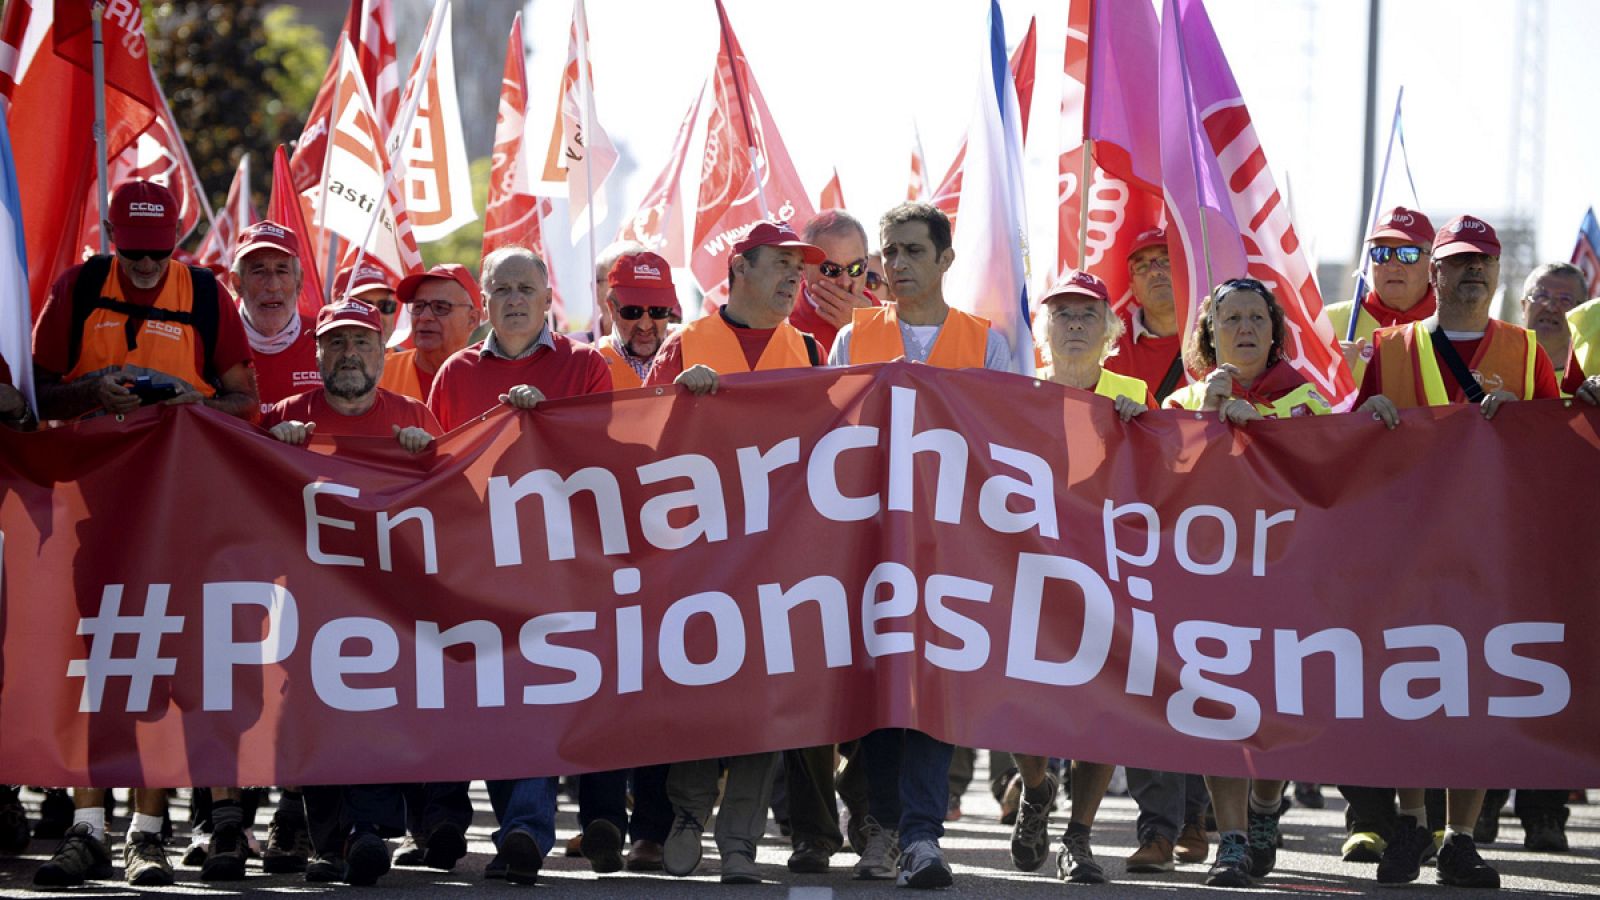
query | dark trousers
[1529, 802]
[1373, 809]
[603, 795]
[392, 809]
[652, 811]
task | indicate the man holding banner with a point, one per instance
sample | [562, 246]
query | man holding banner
[1400, 291]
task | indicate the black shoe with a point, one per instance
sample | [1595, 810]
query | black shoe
[225, 855]
[1487, 829]
[55, 815]
[1309, 795]
[809, 858]
[602, 846]
[495, 869]
[1231, 869]
[288, 845]
[14, 833]
[1546, 832]
[1401, 862]
[445, 846]
[81, 857]
[410, 851]
[522, 856]
[1264, 842]
[325, 868]
[1461, 866]
[366, 859]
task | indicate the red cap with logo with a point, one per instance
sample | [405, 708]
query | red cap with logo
[1404, 225]
[143, 216]
[1150, 237]
[352, 313]
[448, 272]
[779, 234]
[1466, 234]
[267, 235]
[1078, 284]
[642, 279]
[358, 281]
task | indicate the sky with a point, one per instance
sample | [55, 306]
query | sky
[850, 82]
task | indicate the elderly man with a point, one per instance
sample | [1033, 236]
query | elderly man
[908, 771]
[1460, 355]
[1548, 294]
[836, 287]
[266, 275]
[641, 300]
[445, 306]
[1150, 346]
[117, 333]
[371, 285]
[1399, 291]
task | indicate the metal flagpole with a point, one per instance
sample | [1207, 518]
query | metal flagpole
[100, 124]
[1376, 210]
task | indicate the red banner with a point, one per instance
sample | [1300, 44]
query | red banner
[641, 577]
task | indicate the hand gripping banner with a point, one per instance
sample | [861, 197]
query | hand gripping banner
[649, 576]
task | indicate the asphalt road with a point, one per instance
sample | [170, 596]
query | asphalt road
[976, 845]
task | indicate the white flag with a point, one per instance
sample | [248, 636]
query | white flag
[432, 161]
[581, 154]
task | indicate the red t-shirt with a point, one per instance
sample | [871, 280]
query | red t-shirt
[470, 383]
[52, 333]
[1544, 374]
[388, 410]
[290, 371]
[668, 364]
[1148, 359]
[1572, 377]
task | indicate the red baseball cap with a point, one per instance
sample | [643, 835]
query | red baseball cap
[1405, 225]
[1150, 237]
[642, 279]
[348, 312]
[143, 216]
[1466, 234]
[267, 235]
[447, 272]
[1078, 284]
[779, 234]
[358, 281]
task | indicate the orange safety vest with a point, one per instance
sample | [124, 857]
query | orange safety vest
[622, 374]
[161, 347]
[875, 337]
[400, 375]
[710, 342]
[1410, 374]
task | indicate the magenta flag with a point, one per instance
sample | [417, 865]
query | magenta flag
[1122, 116]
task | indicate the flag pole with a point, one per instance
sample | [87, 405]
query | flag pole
[1194, 163]
[586, 84]
[183, 146]
[322, 182]
[1373, 213]
[1083, 199]
[744, 113]
[104, 191]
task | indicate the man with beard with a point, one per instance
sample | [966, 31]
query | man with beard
[266, 275]
[445, 306]
[641, 300]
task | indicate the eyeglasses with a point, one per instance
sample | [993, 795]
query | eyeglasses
[1408, 254]
[635, 313]
[1143, 268]
[831, 269]
[1543, 296]
[439, 308]
[137, 255]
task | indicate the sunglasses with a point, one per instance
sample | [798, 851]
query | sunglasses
[635, 313]
[387, 306]
[874, 280]
[831, 269]
[1240, 284]
[1408, 254]
[137, 255]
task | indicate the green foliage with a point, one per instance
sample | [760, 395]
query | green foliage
[465, 246]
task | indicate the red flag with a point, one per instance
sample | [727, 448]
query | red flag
[832, 193]
[369, 25]
[512, 215]
[1023, 64]
[284, 208]
[217, 248]
[51, 117]
[658, 223]
[734, 193]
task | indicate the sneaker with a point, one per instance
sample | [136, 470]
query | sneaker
[144, 860]
[1075, 860]
[1461, 866]
[225, 855]
[81, 857]
[55, 815]
[1401, 862]
[852, 823]
[522, 856]
[809, 858]
[1264, 843]
[1011, 801]
[602, 846]
[1309, 795]
[1487, 829]
[325, 868]
[1154, 855]
[410, 851]
[1030, 838]
[288, 845]
[1193, 846]
[681, 853]
[644, 856]
[1232, 866]
[879, 854]
[1545, 832]
[740, 868]
[366, 859]
[444, 847]
[922, 866]
[14, 831]
[1363, 847]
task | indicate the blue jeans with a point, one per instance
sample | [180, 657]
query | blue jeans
[526, 803]
[908, 782]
